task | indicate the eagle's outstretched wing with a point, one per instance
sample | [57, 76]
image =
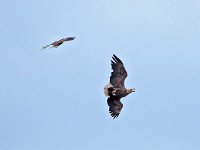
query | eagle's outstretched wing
[115, 106]
[119, 73]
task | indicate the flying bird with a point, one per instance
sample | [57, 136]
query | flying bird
[115, 90]
[59, 42]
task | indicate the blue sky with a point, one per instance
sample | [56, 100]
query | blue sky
[54, 100]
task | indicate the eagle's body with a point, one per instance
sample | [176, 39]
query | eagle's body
[116, 90]
[59, 42]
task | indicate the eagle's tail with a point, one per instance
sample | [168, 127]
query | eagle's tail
[106, 92]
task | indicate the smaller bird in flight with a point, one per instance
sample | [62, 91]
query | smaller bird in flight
[59, 42]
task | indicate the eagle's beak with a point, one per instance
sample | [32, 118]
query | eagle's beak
[133, 90]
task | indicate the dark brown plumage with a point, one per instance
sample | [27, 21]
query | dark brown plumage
[116, 90]
[59, 42]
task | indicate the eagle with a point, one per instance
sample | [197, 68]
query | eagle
[59, 42]
[115, 90]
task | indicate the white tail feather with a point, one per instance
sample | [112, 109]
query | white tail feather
[106, 92]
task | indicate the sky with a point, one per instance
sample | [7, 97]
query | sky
[53, 99]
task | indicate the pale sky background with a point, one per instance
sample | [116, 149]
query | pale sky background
[54, 100]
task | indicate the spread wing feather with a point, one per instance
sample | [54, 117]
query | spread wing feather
[115, 106]
[119, 73]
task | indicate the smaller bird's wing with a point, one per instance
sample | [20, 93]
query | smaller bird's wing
[69, 38]
[115, 106]
[119, 73]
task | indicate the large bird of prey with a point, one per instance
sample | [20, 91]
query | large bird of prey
[59, 42]
[116, 90]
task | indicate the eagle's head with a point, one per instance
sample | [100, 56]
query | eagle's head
[131, 90]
